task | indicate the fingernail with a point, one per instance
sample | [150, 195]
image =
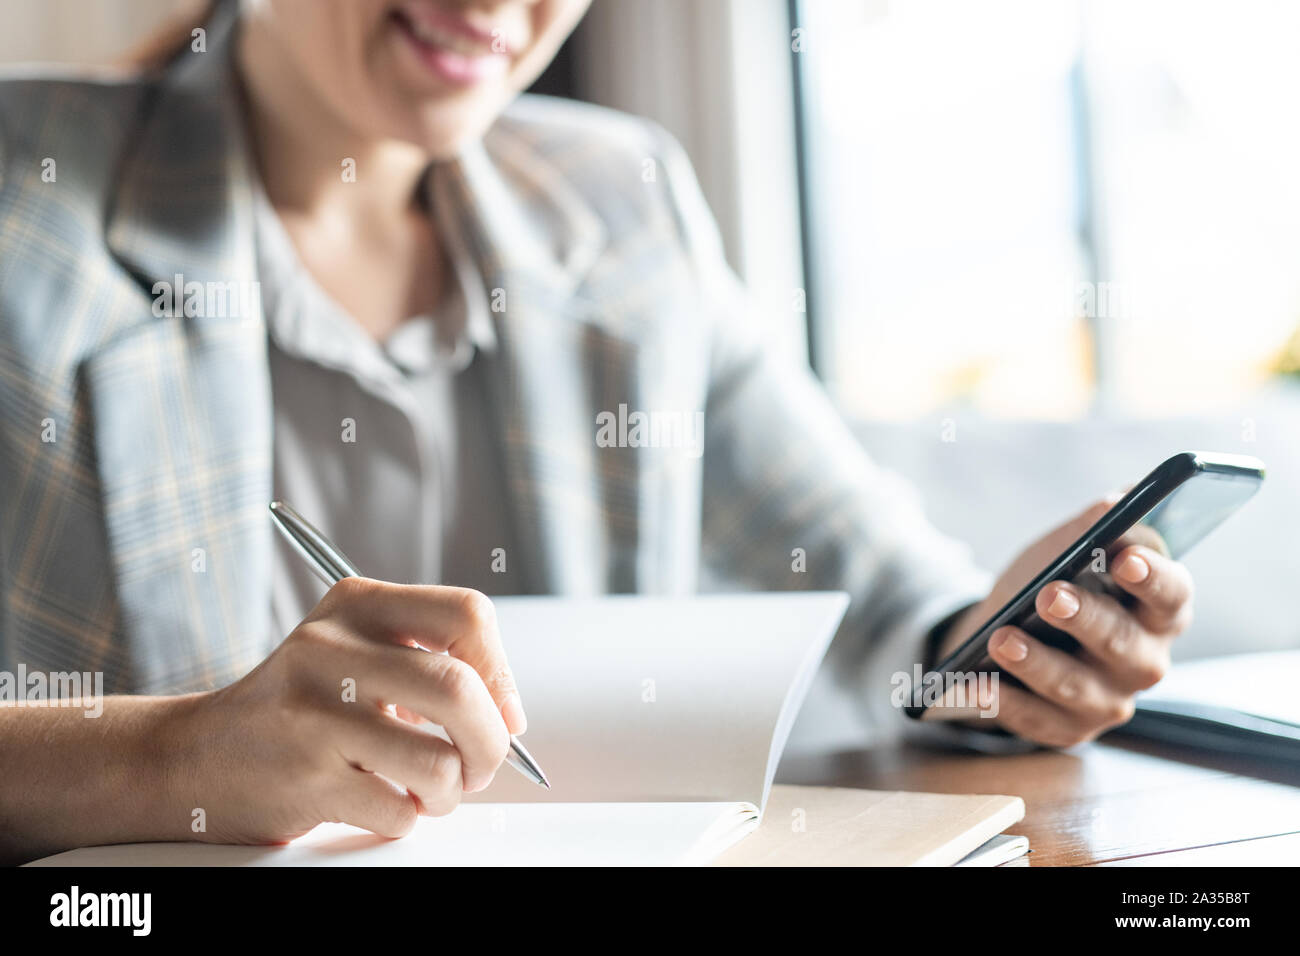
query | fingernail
[1013, 648]
[1133, 569]
[512, 712]
[1064, 605]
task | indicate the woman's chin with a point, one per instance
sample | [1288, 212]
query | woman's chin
[443, 134]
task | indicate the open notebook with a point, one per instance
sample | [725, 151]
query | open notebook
[1241, 704]
[483, 834]
[658, 720]
[802, 826]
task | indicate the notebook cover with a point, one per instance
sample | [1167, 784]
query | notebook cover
[835, 826]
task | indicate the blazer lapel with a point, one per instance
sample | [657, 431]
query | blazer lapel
[181, 401]
[534, 241]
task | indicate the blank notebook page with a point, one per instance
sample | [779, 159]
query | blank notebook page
[484, 834]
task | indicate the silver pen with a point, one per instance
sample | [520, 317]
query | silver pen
[332, 566]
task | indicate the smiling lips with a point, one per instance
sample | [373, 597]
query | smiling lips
[450, 47]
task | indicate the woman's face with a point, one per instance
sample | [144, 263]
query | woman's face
[432, 72]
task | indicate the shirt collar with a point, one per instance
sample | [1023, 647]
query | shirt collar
[304, 321]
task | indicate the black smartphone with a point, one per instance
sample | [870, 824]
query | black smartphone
[1169, 510]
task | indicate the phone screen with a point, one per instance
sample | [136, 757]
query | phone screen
[1196, 508]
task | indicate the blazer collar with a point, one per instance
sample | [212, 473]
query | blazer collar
[183, 205]
[535, 240]
[521, 217]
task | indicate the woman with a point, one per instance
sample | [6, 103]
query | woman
[325, 254]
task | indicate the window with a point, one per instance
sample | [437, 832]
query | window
[1042, 209]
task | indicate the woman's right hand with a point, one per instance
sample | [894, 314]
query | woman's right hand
[325, 728]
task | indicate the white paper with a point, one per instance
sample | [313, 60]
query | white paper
[646, 699]
[519, 834]
[998, 851]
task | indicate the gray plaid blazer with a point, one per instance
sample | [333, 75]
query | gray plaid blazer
[135, 449]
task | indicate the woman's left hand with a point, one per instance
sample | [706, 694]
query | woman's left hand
[1071, 698]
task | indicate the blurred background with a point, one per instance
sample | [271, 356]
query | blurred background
[1033, 247]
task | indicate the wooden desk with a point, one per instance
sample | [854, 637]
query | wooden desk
[1114, 802]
